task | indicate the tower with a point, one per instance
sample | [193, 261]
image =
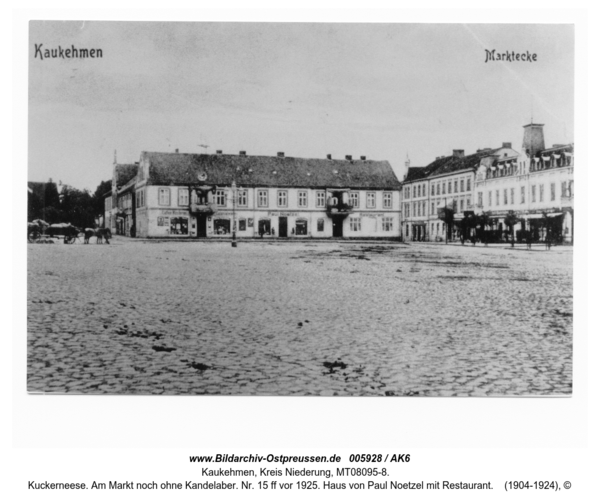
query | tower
[533, 138]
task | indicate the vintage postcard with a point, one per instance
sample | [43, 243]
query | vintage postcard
[300, 209]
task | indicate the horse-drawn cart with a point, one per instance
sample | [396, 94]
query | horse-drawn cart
[38, 231]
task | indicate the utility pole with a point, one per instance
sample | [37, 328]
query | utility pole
[234, 190]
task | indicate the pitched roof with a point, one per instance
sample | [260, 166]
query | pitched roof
[415, 173]
[184, 168]
[124, 173]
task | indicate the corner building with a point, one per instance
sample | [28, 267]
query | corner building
[180, 195]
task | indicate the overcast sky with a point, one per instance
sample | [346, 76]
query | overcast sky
[380, 90]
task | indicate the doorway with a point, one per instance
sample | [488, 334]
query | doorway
[283, 227]
[201, 222]
[338, 227]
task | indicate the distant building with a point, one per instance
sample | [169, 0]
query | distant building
[192, 196]
[535, 184]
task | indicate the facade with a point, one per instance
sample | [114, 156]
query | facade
[116, 215]
[447, 182]
[535, 184]
[177, 195]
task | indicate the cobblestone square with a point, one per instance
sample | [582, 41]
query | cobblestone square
[299, 318]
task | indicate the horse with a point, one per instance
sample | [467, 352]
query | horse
[103, 233]
[67, 230]
[87, 234]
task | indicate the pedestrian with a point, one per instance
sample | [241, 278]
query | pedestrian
[528, 239]
[548, 241]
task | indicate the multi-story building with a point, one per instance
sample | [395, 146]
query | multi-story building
[536, 185]
[447, 182]
[201, 195]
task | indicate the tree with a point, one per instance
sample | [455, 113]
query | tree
[77, 207]
[98, 197]
[510, 220]
[446, 214]
[484, 220]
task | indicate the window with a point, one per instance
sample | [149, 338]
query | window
[407, 210]
[438, 189]
[480, 198]
[419, 190]
[370, 200]
[541, 192]
[387, 224]
[533, 193]
[455, 186]
[263, 198]
[512, 196]
[552, 192]
[497, 197]
[468, 201]
[142, 197]
[490, 198]
[320, 199]
[353, 199]
[443, 188]
[354, 224]
[563, 189]
[282, 198]
[184, 196]
[432, 208]
[505, 196]
[433, 189]
[407, 193]
[242, 225]
[414, 192]
[164, 196]
[220, 195]
[321, 224]
[387, 200]
[137, 198]
[462, 185]
[301, 227]
[522, 194]
[222, 226]
[418, 209]
[242, 199]
[469, 184]
[449, 186]
[462, 205]
[179, 226]
[302, 199]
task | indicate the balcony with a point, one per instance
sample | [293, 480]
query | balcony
[338, 209]
[202, 208]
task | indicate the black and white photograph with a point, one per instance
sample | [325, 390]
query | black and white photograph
[300, 209]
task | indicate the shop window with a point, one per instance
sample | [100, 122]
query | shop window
[179, 226]
[264, 227]
[263, 198]
[222, 226]
[163, 221]
[184, 197]
[370, 200]
[320, 224]
[387, 200]
[242, 225]
[301, 227]
[354, 224]
[164, 196]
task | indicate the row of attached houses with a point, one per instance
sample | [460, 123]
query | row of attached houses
[180, 195]
[212, 195]
[535, 185]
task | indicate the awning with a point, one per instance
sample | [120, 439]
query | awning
[540, 216]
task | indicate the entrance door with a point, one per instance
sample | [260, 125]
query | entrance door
[338, 227]
[283, 227]
[201, 222]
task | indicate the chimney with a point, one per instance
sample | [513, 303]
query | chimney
[507, 145]
[176, 150]
[363, 158]
[219, 152]
[458, 153]
[328, 156]
[242, 153]
[348, 157]
[533, 138]
[280, 154]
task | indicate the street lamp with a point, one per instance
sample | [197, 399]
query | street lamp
[234, 190]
